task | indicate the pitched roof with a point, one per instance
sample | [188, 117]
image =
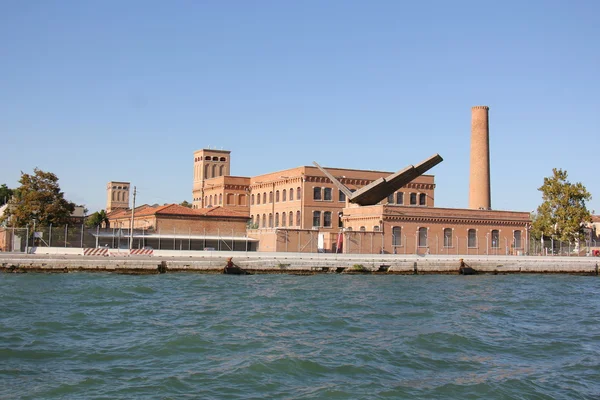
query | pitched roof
[176, 209]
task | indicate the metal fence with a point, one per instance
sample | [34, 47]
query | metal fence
[81, 236]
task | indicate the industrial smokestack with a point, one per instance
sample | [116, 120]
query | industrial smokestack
[479, 184]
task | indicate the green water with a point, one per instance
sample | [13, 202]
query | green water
[175, 336]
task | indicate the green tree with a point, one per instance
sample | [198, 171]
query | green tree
[5, 194]
[97, 218]
[563, 211]
[186, 204]
[39, 197]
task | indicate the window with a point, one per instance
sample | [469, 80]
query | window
[283, 219]
[391, 199]
[376, 228]
[472, 238]
[207, 157]
[206, 170]
[210, 200]
[264, 224]
[298, 193]
[340, 222]
[221, 170]
[220, 198]
[298, 219]
[222, 159]
[400, 198]
[291, 194]
[316, 218]
[413, 199]
[362, 229]
[341, 195]
[291, 220]
[422, 237]
[270, 197]
[495, 238]
[230, 199]
[448, 237]
[277, 196]
[257, 198]
[252, 199]
[242, 200]
[270, 220]
[264, 197]
[396, 236]
[327, 219]
[422, 199]
[517, 239]
[284, 195]
[214, 170]
[317, 193]
[276, 220]
[327, 194]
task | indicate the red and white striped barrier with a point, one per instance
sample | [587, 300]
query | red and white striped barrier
[143, 252]
[95, 252]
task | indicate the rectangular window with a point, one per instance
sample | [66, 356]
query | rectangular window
[316, 218]
[495, 239]
[342, 196]
[327, 219]
[400, 198]
[413, 199]
[317, 193]
[327, 194]
[391, 199]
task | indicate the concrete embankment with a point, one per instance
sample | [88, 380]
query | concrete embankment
[296, 263]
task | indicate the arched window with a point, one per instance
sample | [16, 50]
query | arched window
[517, 239]
[264, 224]
[270, 220]
[242, 200]
[298, 219]
[316, 218]
[221, 168]
[230, 199]
[258, 199]
[252, 199]
[422, 237]
[376, 228]
[114, 196]
[298, 193]
[447, 237]
[291, 219]
[283, 219]
[283, 195]
[264, 197]
[413, 199]
[214, 170]
[396, 236]
[362, 229]
[472, 238]
[215, 158]
[400, 198]
[220, 198]
[327, 219]
[317, 193]
[422, 199]
[327, 196]
[207, 157]
[205, 201]
[495, 238]
[210, 200]
[277, 196]
[276, 220]
[222, 159]
[206, 170]
[291, 194]
[270, 197]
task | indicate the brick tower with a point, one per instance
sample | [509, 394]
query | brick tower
[117, 195]
[479, 184]
[208, 163]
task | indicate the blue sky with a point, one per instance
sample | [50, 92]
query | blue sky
[127, 90]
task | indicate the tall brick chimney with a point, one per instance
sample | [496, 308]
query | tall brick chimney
[479, 183]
